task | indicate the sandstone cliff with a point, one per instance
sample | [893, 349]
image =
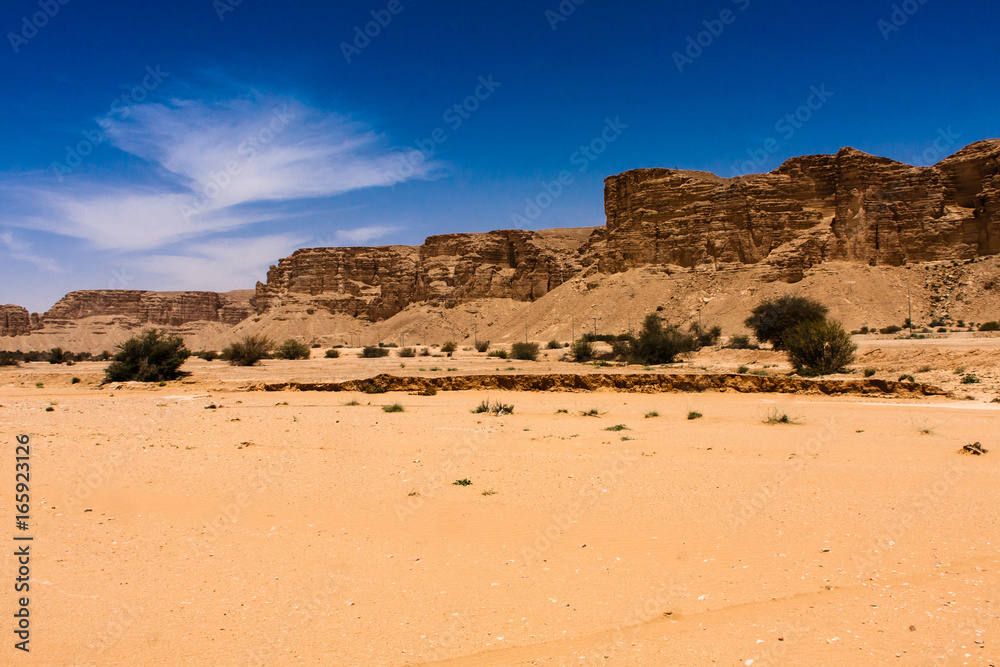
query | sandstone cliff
[149, 308]
[14, 320]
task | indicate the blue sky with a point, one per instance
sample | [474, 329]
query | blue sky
[190, 144]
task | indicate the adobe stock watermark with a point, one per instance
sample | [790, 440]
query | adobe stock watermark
[31, 25]
[942, 146]
[562, 12]
[363, 35]
[899, 17]
[581, 158]
[455, 116]
[121, 107]
[786, 126]
[223, 7]
[246, 152]
[698, 44]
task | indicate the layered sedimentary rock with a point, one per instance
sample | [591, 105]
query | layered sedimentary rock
[14, 320]
[850, 206]
[376, 283]
[142, 307]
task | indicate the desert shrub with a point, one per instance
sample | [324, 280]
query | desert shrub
[74, 381]
[373, 352]
[292, 349]
[907, 378]
[942, 330]
[493, 408]
[482, 345]
[776, 416]
[658, 343]
[819, 348]
[407, 352]
[740, 342]
[593, 412]
[554, 345]
[582, 350]
[742, 369]
[869, 372]
[35, 356]
[498, 354]
[617, 427]
[864, 330]
[152, 356]
[316, 346]
[57, 355]
[525, 351]
[970, 379]
[462, 482]
[395, 407]
[207, 355]
[989, 326]
[706, 337]
[891, 329]
[935, 323]
[449, 347]
[248, 351]
[694, 414]
[387, 345]
[425, 352]
[10, 359]
[651, 414]
[332, 354]
[773, 318]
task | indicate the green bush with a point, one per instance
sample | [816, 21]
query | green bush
[554, 345]
[449, 347]
[152, 356]
[869, 372]
[694, 414]
[482, 346]
[407, 352]
[10, 359]
[58, 356]
[772, 319]
[819, 348]
[395, 407]
[292, 349]
[742, 369]
[706, 337]
[525, 351]
[970, 379]
[332, 354]
[989, 326]
[373, 352]
[739, 342]
[498, 354]
[658, 343]
[891, 329]
[207, 355]
[248, 351]
[582, 350]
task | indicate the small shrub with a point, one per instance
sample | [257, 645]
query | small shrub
[869, 372]
[373, 352]
[970, 379]
[942, 330]
[742, 369]
[658, 343]
[593, 412]
[705, 337]
[617, 427]
[425, 352]
[924, 369]
[352, 403]
[907, 378]
[292, 349]
[739, 342]
[449, 347]
[9, 359]
[150, 357]
[525, 351]
[891, 329]
[819, 348]
[776, 416]
[395, 407]
[562, 411]
[75, 381]
[407, 352]
[582, 350]
[462, 482]
[59, 356]
[772, 319]
[248, 351]
[693, 414]
[989, 326]
[554, 345]
[207, 355]
[498, 354]
[39, 385]
[332, 354]
[489, 492]
[651, 414]
[429, 391]
[495, 408]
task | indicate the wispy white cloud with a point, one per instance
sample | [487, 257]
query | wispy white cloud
[22, 251]
[362, 235]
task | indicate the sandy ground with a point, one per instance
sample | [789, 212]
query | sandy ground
[292, 528]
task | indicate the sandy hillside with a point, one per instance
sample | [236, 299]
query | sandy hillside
[194, 523]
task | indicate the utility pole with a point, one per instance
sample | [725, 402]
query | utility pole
[475, 333]
[525, 333]
[630, 324]
[909, 308]
[402, 339]
[595, 328]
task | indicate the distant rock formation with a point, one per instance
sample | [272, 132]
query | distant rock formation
[14, 320]
[850, 207]
[150, 308]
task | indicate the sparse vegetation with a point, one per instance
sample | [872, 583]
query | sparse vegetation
[373, 352]
[891, 329]
[554, 345]
[493, 408]
[869, 372]
[482, 346]
[150, 357]
[352, 403]
[582, 350]
[75, 381]
[742, 369]
[449, 347]
[332, 354]
[207, 355]
[907, 378]
[498, 354]
[776, 416]
[659, 343]
[773, 319]
[248, 351]
[9, 359]
[292, 349]
[525, 351]
[593, 412]
[407, 352]
[651, 414]
[694, 414]
[395, 407]
[740, 342]
[562, 411]
[970, 379]
[705, 337]
[989, 326]
[489, 492]
[617, 427]
[462, 482]
[819, 347]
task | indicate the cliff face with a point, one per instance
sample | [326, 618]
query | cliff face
[149, 308]
[849, 206]
[14, 320]
[377, 283]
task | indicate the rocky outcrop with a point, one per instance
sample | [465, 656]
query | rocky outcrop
[850, 206]
[141, 307]
[14, 320]
[377, 283]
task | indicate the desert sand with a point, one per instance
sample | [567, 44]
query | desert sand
[203, 523]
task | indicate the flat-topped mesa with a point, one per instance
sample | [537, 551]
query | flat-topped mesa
[377, 283]
[143, 307]
[849, 206]
[14, 320]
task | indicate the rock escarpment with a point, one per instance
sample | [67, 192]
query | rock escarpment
[142, 307]
[377, 283]
[850, 206]
[14, 320]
